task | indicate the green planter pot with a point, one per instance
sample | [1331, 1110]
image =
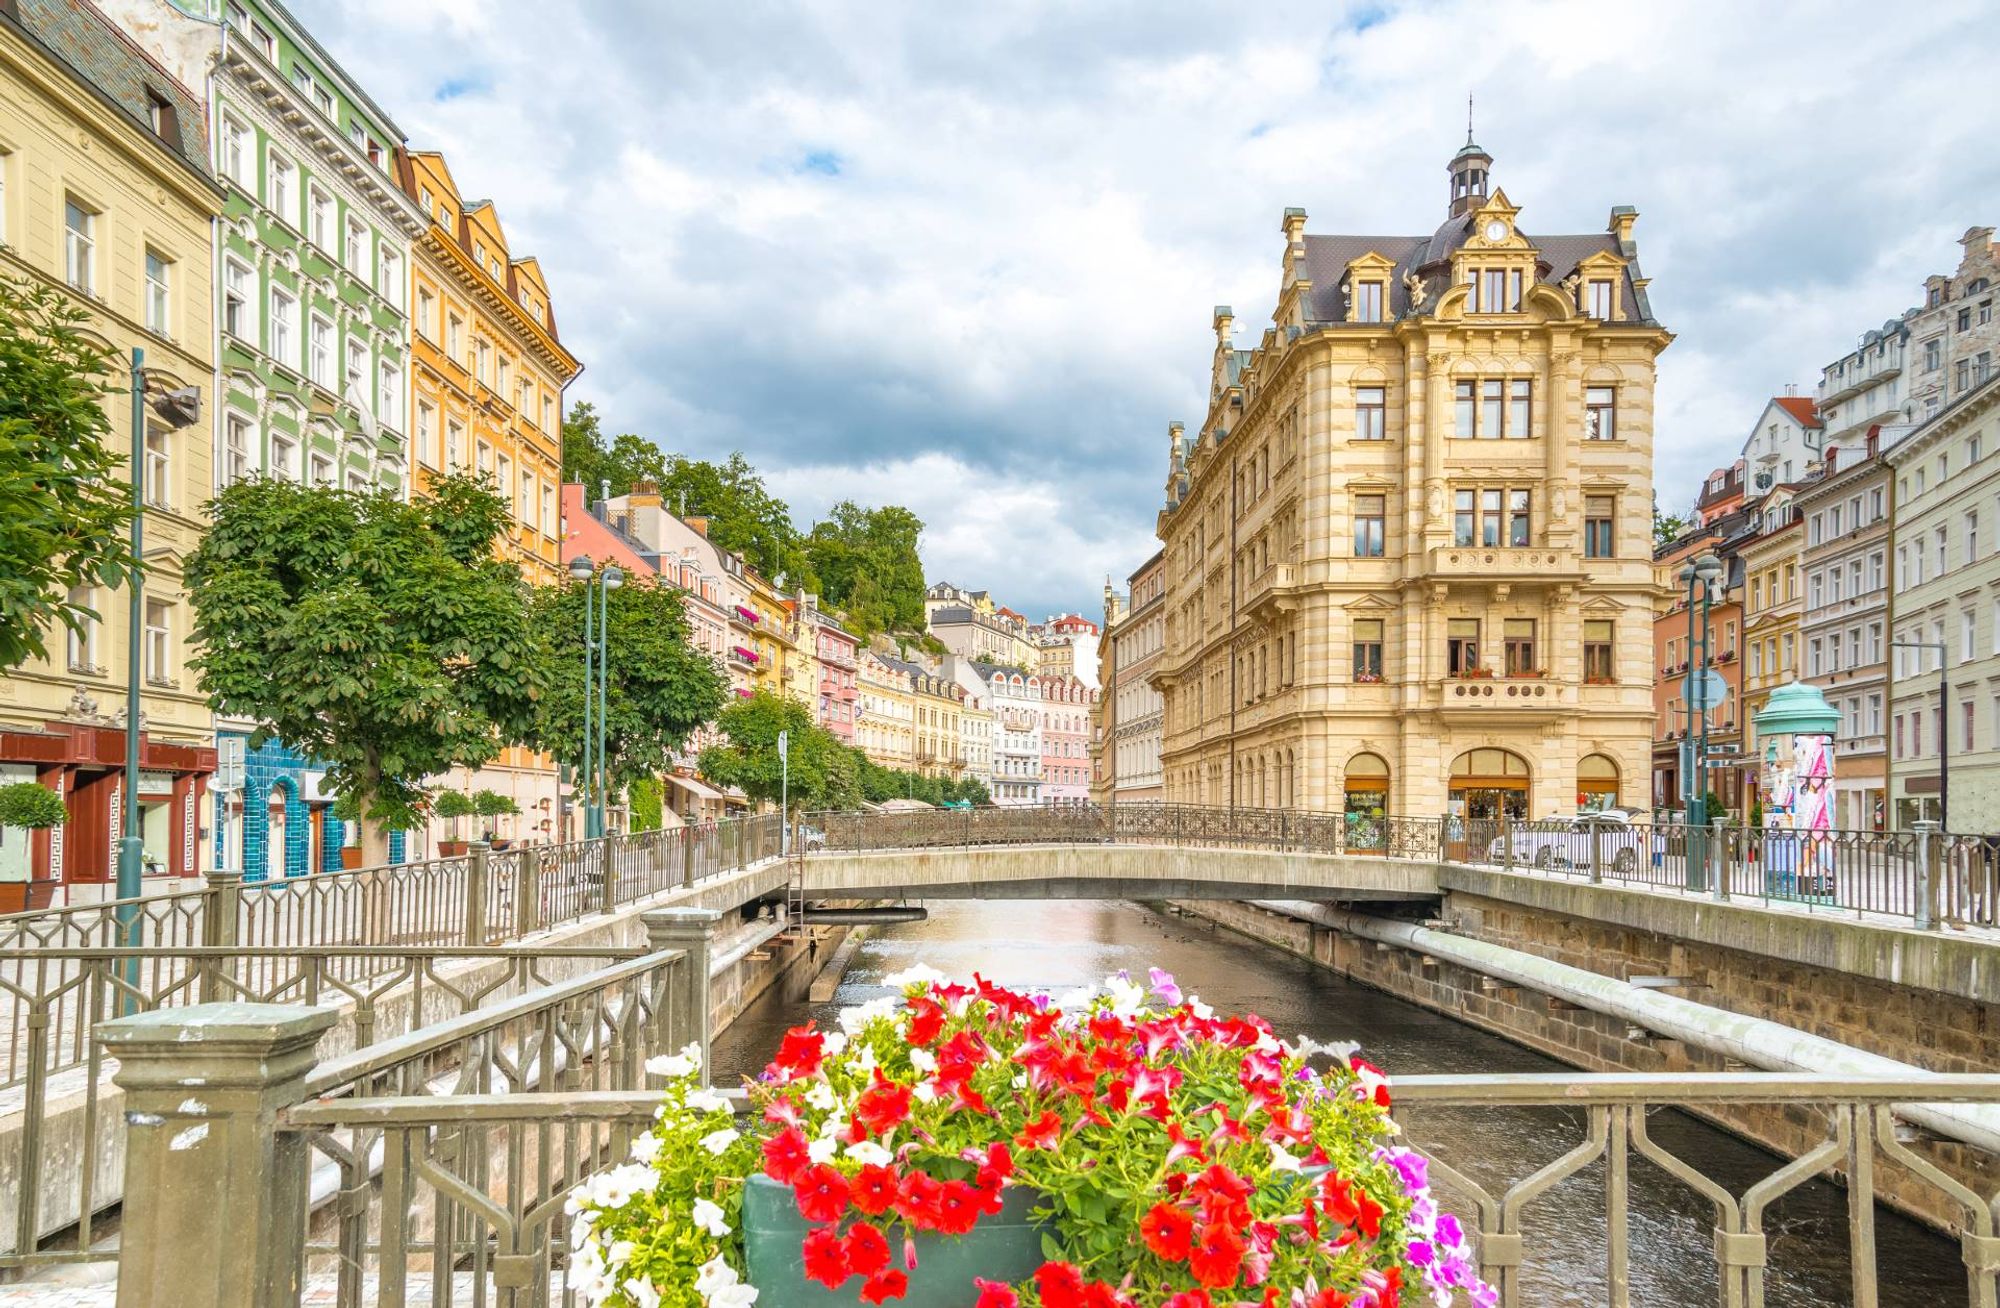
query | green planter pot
[1004, 1247]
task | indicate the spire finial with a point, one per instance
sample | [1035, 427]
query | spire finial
[1468, 118]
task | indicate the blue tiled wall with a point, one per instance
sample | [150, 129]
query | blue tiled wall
[279, 765]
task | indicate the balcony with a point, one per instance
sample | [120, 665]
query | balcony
[742, 658]
[1506, 563]
[1507, 698]
[1272, 592]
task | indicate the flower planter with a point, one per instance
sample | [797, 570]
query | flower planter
[452, 848]
[1004, 1247]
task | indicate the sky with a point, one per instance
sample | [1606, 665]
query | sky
[963, 257]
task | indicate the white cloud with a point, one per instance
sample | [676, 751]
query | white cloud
[895, 246]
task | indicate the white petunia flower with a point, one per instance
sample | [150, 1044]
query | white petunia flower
[737, 1295]
[641, 1293]
[1199, 1009]
[708, 1101]
[672, 1065]
[833, 1128]
[718, 1141]
[708, 1216]
[823, 1149]
[1077, 999]
[715, 1274]
[646, 1149]
[867, 1153]
[857, 1016]
[1020, 1080]
[619, 1254]
[1282, 1161]
[923, 1059]
[912, 974]
[820, 1095]
[834, 1043]
[924, 1092]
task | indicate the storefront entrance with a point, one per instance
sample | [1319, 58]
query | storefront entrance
[1367, 801]
[1489, 784]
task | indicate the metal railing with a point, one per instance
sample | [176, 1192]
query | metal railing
[1927, 877]
[469, 1208]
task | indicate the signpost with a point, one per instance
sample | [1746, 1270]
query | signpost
[1705, 689]
[784, 792]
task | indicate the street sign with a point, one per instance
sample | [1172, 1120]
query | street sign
[1687, 769]
[229, 764]
[1705, 689]
[784, 744]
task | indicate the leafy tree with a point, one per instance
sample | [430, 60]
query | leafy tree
[661, 688]
[867, 565]
[452, 805]
[1667, 527]
[63, 513]
[648, 806]
[35, 807]
[385, 638]
[592, 459]
[742, 514]
[748, 756]
[491, 803]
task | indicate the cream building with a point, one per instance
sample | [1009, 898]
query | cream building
[1131, 711]
[105, 194]
[1947, 592]
[885, 720]
[1408, 550]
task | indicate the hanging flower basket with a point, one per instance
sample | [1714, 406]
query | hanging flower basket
[968, 1146]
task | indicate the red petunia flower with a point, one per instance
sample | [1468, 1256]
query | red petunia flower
[996, 1167]
[1168, 1232]
[926, 1021]
[800, 1053]
[821, 1193]
[883, 1106]
[1218, 1259]
[785, 1156]
[873, 1189]
[1189, 1299]
[917, 1200]
[889, 1283]
[959, 1204]
[826, 1258]
[1059, 1285]
[995, 1294]
[1329, 1298]
[867, 1249]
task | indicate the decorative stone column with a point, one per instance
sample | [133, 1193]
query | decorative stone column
[215, 1196]
[692, 930]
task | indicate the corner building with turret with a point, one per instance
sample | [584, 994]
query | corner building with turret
[1408, 551]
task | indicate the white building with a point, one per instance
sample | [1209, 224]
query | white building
[1017, 734]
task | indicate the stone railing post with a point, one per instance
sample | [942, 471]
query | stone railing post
[528, 891]
[1596, 850]
[1925, 892]
[607, 878]
[692, 930]
[475, 893]
[688, 842]
[1507, 842]
[1719, 859]
[220, 915]
[215, 1196]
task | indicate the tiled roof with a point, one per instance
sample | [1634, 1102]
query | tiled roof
[1327, 258]
[1800, 407]
[77, 36]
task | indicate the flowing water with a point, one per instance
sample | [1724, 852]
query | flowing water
[1059, 944]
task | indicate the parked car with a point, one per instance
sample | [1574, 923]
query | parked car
[811, 838]
[1564, 842]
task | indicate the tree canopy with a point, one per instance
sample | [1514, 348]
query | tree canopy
[742, 514]
[385, 638]
[660, 688]
[63, 512]
[747, 757]
[1667, 527]
[594, 461]
[867, 566]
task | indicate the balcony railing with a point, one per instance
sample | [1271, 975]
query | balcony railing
[1506, 563]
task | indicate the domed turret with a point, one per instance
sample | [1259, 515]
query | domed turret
[1468, 169]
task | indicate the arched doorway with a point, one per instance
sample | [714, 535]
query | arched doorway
[274, 835]
[1366, 781]
[1489, 784]
[1596, 784]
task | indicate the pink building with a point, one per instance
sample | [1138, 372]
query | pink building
[1066, 704]
[837, 654]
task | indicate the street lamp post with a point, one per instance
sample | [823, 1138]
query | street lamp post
[611, 579]
[1944, 721]
[582, 569]
[1698, 573]
[595, 774]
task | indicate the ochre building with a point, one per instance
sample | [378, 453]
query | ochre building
[1408, 551]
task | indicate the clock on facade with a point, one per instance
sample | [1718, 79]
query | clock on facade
[1496, 231]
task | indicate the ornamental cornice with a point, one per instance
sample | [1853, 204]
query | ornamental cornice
[476, 284]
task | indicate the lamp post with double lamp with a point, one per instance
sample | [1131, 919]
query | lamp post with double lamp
[1699, 573]
[608, 580]
[596, 696]
[1944, 719]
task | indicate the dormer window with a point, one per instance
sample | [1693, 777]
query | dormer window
[1368, 301]
[1600, 298]
[1493, 290]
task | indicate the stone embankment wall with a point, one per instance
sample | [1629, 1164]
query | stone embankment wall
[1927, 1028]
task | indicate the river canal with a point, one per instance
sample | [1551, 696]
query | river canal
[1057, 945]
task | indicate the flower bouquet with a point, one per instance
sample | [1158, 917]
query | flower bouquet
[969, 1146]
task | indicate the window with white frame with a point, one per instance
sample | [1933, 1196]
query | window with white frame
[284, 327]
[549, 513]
[426, 432]
[503, 480]
[80, 246]
[239, 310]
[319, 217]
[483, 361]
[239, 438]
[392, 277]
[281, 191]
[454, 338]
[322, 470]
[1600, 298]
[389, 393]
[357, 246]
[355, 380]
[426, 313]
[357, 481]
[1967, 633]
[506, 366]
[319, 351]
[159, 466]
[284, 456]
[82, 643]
[159, 294]
[159, 637]
[454, 445]
[548, 413]
[525, 510]
[236, 155]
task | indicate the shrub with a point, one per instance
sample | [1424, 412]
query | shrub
[27, 804]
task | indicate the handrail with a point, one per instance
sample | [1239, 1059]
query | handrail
[330, 951]
[398, 1050]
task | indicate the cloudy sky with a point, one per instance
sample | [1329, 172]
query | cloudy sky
[962, 256]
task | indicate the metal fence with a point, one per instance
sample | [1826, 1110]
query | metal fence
[1925, 876]
[469, 1206]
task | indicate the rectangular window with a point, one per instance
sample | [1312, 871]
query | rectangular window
[1815, 651]
[1490, 518]
[1965, 712]
[159, 294]
[1464, 517]
[1943, 542]
[159, 466]
[1468, 406]
[319, 352]
[454, 338]
[426, 314]
[392, 278]
[1492, 410]
[454, 445]
[1600, 413]
[389, 393]
[1972, 536]
[1519, 634]
[483, 355]
[322, 470]
[357, 247]
[548, 511]
[548, 413]
[1933, 356]
[238, 313]
[1370, 526]
[1600, 299]
[237, 439]
[83, 638]
[1597, 639]
[284, 457]
[1493, 291]
[1599, 526]
[159, 642]
[1368, 649]
[236, 152]
[1520, 519]
[284, 325]
[1899, 735]
[281, 189]
[319, 217]
[426, 430]
[1967, 625]
[79, 246]
[1461, 645]
[1371, 413]
[1368, 302]
[356, 376]
[1520, 409]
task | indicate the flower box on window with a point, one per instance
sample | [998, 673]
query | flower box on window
[1367, 678]
[1475, 674]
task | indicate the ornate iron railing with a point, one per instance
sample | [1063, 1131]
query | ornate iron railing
[485, 1176]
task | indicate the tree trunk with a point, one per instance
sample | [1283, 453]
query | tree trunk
[373, 884]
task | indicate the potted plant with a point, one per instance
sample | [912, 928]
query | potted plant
[960, 1143]
[492, 804]
[31, 807]
[453, 805]
[347, 812]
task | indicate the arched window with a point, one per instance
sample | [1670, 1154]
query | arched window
[1596, 783]
[1367, 800]
[1488, 784]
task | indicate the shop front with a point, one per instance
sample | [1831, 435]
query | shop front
[85, 765]
[1367, 801]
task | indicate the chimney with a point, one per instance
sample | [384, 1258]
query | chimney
[1294, 227]
[645, 495]
[1791, 390]
[1622, 219]
[699, 524]
[1224, 316]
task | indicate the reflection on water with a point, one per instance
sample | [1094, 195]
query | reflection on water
[1056, 945]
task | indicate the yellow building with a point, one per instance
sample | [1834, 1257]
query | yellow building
[1408, 551]
[1773, 607]
[781, 666]
[486, 396]
[105, 194]
[885, 723]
